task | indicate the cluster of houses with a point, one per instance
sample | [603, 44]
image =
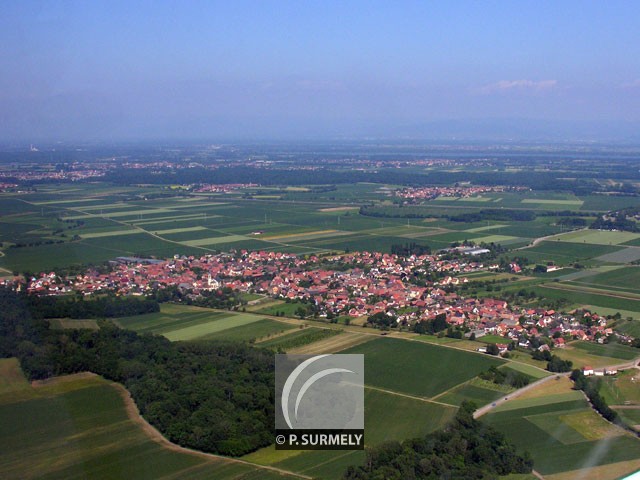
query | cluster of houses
[356, 284]
[588, 371]
[73, 174]
[462, 191]
[221, 188]
[5, 186]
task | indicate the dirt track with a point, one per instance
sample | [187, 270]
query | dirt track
[156, 436]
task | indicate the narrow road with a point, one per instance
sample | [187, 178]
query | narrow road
[510, 396]
[536, 241]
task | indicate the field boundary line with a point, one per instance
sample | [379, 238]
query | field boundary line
[140, 229]
[406, 395]
[468, 382]
[589, 291]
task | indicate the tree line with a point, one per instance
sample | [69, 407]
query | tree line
[591, 388]
[97, 307]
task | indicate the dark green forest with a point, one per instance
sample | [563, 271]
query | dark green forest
[215, 396]
[466, 449]
[96, 307]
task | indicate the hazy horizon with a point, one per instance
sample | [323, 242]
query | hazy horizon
[496, 71]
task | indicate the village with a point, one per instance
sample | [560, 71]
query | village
[410, 289]
[457, 191]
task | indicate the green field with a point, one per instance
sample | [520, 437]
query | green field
[299, 338]
[492, 339]
[563, 436]
[169, 316]
[280, 307]
[629, 327]
[529, 370]
[80, 429]
[622, 389]
[626, 255]
[113, 228]
[563, 253]
[469, 392]
[202, 330]
[625, 279]
[595, 355]
[630, 416]
[181, 322]
[427, 370]
[253, 331]
[322, 465]
[393, 417]
[541, 201]
[388, 417]
[612, 350]
[598, 237]
[580, 298]
[117, 224]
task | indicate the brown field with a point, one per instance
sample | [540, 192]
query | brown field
[300, 237]
[580, 358]
[552, 387]
[17, 388]
[337, 209]
[590, 425]
[359, 321]
[266, 303]
[334, 344]
[11, 377]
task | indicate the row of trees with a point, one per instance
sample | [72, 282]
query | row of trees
[554, 363]
[96, 307]
[591, 388]
[511, 378]
[618, 221]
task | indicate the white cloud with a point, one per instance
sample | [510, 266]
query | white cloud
[518, 85]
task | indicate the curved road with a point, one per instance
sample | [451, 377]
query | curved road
[510, 396]
[487, 408]
[536, 241]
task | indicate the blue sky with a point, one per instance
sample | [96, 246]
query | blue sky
[261, 69]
